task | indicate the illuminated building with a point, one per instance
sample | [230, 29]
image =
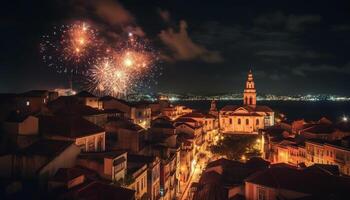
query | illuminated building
[249, 117]
[139, 114]
[330, 153]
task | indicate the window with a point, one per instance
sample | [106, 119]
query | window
[247, 121]
[262, 194]
[257, 122]
[28, 103]
[230, 121]
[239, 121]
[138, 187]
[142, 184]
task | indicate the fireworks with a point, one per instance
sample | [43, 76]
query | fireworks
[114, 70]
[129, 66]
[71, 48]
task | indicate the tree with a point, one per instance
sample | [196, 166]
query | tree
[235, 146]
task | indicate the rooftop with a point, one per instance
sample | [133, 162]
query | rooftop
[257, 108]
[291, 179]
[70, 105]
[100, 156]
[34, 93]
[67, 174]
[68, 126]
[125, 124]
[98, 191]
[17, 117]
[85, 94]
[47, 148]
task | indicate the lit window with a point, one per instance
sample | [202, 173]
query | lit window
[247, 121]
[28, 103]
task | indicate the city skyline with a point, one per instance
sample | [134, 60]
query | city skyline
[292, 48]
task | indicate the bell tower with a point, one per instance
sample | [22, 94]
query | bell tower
[249, 94]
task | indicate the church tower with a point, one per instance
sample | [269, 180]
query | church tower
[249, 95]
[213, 110]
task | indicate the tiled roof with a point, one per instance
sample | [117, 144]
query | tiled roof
[189, 125]
[181, 119]
[85, 94]
[68, 126]
[67, 174]
[34, 93]
[193, 115]
[125, 124]
[70, 105]
[17, 117]
[257, 108]
[210, 187]
[47, 148]
[323, 168]
[300, 181]
[320, 129]
[107, 98]
[98, 191]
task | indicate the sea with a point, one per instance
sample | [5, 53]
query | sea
[293, 110]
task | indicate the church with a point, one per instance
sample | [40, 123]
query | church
[246, 118]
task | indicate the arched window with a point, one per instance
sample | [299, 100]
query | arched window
[250, 100]
[246, 100]
[230, 121]
[257, 122]
[247, 121]
[239, 121]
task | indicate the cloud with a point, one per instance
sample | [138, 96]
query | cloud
[298, 23]
[339, 28]
[109, 14]
[113, 12]
[294, 23]
[292, 54]
[164, 14]
[182, 47]
[303, 69]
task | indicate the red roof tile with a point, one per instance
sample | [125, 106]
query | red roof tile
[68, 126]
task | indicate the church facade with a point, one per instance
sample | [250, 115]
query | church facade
[246, 118]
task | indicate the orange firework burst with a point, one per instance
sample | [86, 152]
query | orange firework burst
[115, 70]
[125, 69]
[78, 41]
[79, 38]
[107, 77]
[71, 48]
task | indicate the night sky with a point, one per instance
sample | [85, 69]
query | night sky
[207, 47]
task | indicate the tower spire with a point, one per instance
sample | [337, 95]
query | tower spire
[249, 94]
